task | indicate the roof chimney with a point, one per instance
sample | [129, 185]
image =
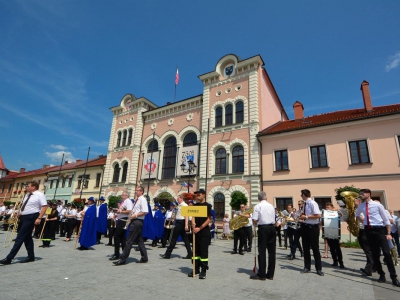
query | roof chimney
[79, 160]
[45, 166]
[22, 170]
[366, 95]
[298, 110]
[66, 162]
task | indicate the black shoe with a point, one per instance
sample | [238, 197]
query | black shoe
[305, 270]
[382, 278]
[142, 261]
[27, 260]
[248, 249]
[365, 273]
[197, 272]
[269, 277]
[161, 246]
[187, 257]
[341, 265]
[114, 257]
[395, 282]
[234, 252]
[82, 248]
[289, 255]
[164, 256]
[53, 239]
[292, 257]
[257, 277]
[241, 252]
[119, 262]
[108, 244]
[335, 264]
[202, 274]
[320, 273]
[5, 261]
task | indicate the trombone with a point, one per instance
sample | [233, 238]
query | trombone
[13, 223]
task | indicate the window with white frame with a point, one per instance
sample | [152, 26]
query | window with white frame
[220, 161]
[318, 156]
[359, 153]
[281, 160]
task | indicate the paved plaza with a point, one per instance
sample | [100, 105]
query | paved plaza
[60, 272]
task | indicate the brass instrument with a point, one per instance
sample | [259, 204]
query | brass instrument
[394, 253]
[13, 222]
[240, 221]
[353, 225]
[173, 216]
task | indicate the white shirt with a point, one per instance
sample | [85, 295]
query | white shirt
[376, 213]
[311, 209]
[178, 214]
[168, 215]
[128, 205]
[59, 209]
[35, 203]
[140, 206]
[393, 227]
[264, 213]
[250, 221]
[110, 215]
[79, 216]
[72, 213]
[2, 209]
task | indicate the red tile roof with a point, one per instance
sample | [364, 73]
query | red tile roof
[330, 118]
[2, 166]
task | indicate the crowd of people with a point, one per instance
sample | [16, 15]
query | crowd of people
[134, 222]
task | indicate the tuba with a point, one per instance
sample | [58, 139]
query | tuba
[353, 225]
[13, 222]
[240, 221]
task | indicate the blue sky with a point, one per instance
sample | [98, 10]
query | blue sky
[63, 64]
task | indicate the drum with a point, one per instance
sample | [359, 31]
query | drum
[330, 224]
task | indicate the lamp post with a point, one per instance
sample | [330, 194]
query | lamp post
[191, 169]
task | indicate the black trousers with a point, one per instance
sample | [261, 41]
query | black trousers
[24, 236]
[38, 228]
[179, 230]
[135, 236]
[376, 238]
[71, 225]
[294, 240]
[165, 237]
[201, 251]
[362, 240]
[48, 231]
[336, 252]
[111, 232]
[278, 234]
[266, 240]
[310, 238]
[63, 227]
[248, 237]
[119, 236]
[238, 235]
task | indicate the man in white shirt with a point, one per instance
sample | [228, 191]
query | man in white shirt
[377, 226]
[310, 232]
[394, 231]
[123, 212]
[140, 209]
[32, 210]
[264, 217]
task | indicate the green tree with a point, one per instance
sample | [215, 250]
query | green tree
[113, 200]
[237, 198]
[343, 189]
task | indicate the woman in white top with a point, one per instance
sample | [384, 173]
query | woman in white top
[71, 222]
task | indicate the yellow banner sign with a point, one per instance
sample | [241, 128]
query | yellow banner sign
[48, 211]
[194, 211]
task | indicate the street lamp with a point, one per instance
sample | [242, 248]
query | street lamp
[191, 169]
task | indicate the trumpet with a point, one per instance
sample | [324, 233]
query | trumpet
[13, 222]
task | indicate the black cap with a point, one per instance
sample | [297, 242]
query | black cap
[200, 191]
[68, 204]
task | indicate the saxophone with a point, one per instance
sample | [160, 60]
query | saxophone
[240, 221]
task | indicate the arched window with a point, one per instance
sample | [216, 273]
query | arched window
[228, 114]
[190, 139]
[239, 112]
[219, 206]
[124, 138]
[220, 161]
[130, 136]
[153, 146]
[169, 159]
[117, 169]
[119, 139]
[218, 116]
[124, 172]
[238, 160]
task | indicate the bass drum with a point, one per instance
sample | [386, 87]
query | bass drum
[330, 224]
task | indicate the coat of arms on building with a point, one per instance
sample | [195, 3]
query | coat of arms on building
[229, 70]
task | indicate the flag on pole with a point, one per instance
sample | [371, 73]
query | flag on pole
[177, 76]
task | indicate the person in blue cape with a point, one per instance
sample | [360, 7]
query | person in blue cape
[212, 223]
[148, 231]
[88, 235]
[101, 223]
[158, 220]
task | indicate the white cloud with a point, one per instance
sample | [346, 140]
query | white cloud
[56, 156]
[393, 62]
[59, 147]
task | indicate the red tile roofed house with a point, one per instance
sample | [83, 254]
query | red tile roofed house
[3, 170]
[357, 147]
[6, 186]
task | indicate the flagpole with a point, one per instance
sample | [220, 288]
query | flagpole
[84, 175]
[58, 179]
[151, 163]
